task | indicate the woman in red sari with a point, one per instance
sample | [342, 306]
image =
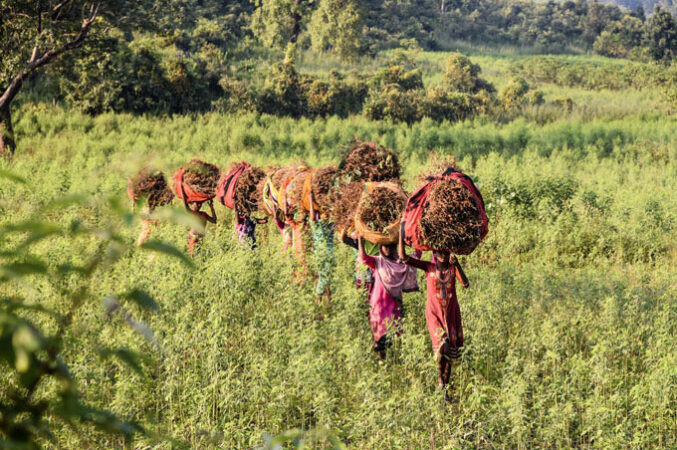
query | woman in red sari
[442, 312]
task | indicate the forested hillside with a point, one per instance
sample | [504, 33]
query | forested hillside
[186, 56]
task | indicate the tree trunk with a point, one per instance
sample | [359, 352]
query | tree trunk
[7, 144]
[296, 17]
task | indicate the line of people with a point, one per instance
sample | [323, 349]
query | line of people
[384, 276]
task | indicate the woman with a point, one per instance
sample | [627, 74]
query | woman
[246, 229]
[442, 312]
[195, 235]
[323, 250]
[385, 301]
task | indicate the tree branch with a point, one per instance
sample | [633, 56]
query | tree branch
[57, 9]
[48, 56]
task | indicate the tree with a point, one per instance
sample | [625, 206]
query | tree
[661, 35]
[337, 25]
[34, 33]
[619, 38]
[280, 22]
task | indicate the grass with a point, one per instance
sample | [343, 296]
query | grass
[569, 321]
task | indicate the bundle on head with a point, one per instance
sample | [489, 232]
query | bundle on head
[379, 211]
[280, 176]
[322, 183]
[248, 191]
[343, 202]
[437, 165]
[152, 185]
[201, 177]
[294, 191]
[451, 218]
[368, 161]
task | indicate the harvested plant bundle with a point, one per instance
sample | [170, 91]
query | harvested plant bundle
[437, 165]
[321, 184]
[294, 192]
[368, 161]
[452, 218]
[379, 211]
[248, 191]
[201, 177]
[280, 176]
[343, 202]
[152, 185]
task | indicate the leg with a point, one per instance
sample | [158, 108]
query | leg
[380, 348]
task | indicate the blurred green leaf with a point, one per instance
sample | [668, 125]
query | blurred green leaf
[128, 357]
[179, 217]
[12, 304]
[63, 202]
[31, 226]
[142, 299]
[18, 270]
[11, 176]
[167, 249]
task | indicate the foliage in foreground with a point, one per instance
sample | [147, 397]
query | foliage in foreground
[40, 393]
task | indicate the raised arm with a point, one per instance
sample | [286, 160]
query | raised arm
[183, 194]
[460, 275]
[413, 262]
[367, 260]
[211, 218]
[348, 240]
[312, 209]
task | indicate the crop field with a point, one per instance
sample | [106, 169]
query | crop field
[570, 318]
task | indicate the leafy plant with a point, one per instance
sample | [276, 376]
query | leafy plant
[41, 390]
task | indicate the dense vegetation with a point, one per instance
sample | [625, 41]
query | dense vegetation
[240, 56]
[562, 112]
[569, 319]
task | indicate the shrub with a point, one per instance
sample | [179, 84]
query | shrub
[452, 106]
[393, 103]
[463, 76]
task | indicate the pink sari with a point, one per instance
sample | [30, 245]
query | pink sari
[385, 300]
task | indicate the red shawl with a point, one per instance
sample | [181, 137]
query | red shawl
[191, 195]
[416, 204]
[225, 192]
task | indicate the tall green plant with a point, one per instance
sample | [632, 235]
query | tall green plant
[42, 390]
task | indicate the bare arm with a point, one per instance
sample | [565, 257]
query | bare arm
[413, 262]
[348, 240]
[460, 275]
[312, 209]
[183, 194]
[211, 218]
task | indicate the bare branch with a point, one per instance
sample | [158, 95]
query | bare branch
[48, 56]
[57, 9]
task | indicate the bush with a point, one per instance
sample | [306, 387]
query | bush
[517, 94]
[113, 75]
[339, 96]
[452, 106]
[462, 75]
[393, 103]
[396, 75]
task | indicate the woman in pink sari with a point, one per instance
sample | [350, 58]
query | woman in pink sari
[391, 278]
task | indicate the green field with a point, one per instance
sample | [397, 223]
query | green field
[570, 320]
